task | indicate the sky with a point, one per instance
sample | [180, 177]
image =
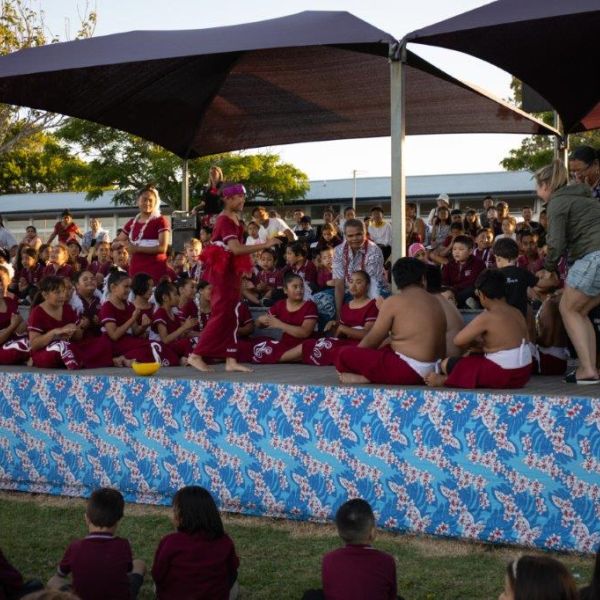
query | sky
[425, 155]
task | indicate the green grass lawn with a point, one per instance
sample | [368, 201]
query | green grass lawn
[279, 559]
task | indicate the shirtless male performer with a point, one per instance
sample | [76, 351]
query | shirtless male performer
[501, 332]
[416, 324]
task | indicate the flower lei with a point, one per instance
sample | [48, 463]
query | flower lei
[347, 274]
[140, 235]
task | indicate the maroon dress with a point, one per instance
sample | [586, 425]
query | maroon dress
[15, 350]
[181, 346]
[147, 234]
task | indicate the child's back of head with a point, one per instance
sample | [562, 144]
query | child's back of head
[355, 521]
[105, 507]
[196, 512]
[507, 249]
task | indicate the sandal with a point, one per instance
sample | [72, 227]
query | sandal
[572, 378]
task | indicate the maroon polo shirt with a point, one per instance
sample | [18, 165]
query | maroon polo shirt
[99, 564]
[459, 276]
[193, 567]
[359, 572]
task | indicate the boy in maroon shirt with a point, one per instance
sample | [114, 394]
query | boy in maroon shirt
[460, 273]
[296, 257]
[101, 564]
[528, 254]
[357, 571]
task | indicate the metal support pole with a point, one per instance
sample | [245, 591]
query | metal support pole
[185, 186]
[398, 133]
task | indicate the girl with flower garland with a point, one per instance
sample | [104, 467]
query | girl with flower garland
[147, 237]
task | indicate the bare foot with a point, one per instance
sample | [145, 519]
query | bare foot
[183, 361]
[121, 361]
[196, 361]
[435, 379]
[352, 378]
[29, 362]
[232, 365]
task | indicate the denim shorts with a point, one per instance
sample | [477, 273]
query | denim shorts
[584, 274]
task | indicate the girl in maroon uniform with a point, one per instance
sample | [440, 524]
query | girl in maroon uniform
[295, 317]
[55, 336]
[101, 262]
[86, 302]
[173, 330]
[125, 326]
[356, 318]
[14, 347]
[142, 287]
[77, 262]
[187, 288]
[225, 260]
[29, 273]
[58, 266]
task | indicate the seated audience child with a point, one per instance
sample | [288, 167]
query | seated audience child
[492, 219]
[324, 272]
[12, 585]
[483, 251]
[142, 286]
[472, 224]
[356, 571]
[328, 238]
[58, 265]
[173, 331]
[204, 306]
[101, 565]
[180, 264]
[306, 233]
[101, 262]
[413, 348]
[502, 331]
[193, 249]
[188, 304]
[443, 253]
[297, 262]
[118, 317]
[86, 302]
[529, 257]
[552, 343]
[28, 274]
[356, 319]
[205, 235]
[294, 316]
[268, 281]
[252, 238]
[592, 591]
[418, 251]
[509, 225]
[44, 255]
[518, 280]
[55, 337]
[75, 259]
[14, 345]
[538, 578]
[460, 273]
[199, 559]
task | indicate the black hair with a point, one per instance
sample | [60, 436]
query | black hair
[376, 208]
[522, 233]
[207, 229]
[115, 277]
[289, 276]
[202, 284]
[196, 511]
[140, 284]
[408, 271]
[357, 223]
[456, 211]
[506, 248]
[465, 240]
[541, 577]
[268, 251]
[585, 154]
[298, 249]
[164, 288]
[354, 520]
[364, 275]
[76, 275]
[433, 277]
[348, 208]
[594, 588]
[29, 251]
[183, 281]
[105, 507]
[51, 283]
[457, 225]
[491, 283]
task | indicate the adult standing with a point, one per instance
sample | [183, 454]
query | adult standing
[584, 165]
[147, 237]
[7, 239]
[443, 200]
[527, 222]
[356, 253]
[210, 204]
[94, 235]
[31, 239]
[574, 228]
[488, 202]
[65, 229]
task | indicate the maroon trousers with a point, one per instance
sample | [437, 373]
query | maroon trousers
[15, 351]
[322, 352]
[89, 353]
[477, 371]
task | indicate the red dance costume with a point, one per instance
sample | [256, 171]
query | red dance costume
[223, 270]
[182, 346]
[264, 350]
[146, 235]
[15, 350]
[64, 234]
[323, 351]
[383, 366]
[130, 346]
[89, 353]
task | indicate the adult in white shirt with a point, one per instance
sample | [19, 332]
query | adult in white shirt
[7, 239]
[271, 227]
[441, 200]
[380, 231]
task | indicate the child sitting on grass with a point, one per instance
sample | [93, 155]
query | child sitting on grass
[356, 571]
[199, 559]
[101, 565]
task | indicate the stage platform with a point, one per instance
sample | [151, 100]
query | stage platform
[289, 441]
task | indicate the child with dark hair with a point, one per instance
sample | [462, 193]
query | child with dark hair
[28, 274]
[188, 305]
[444, 250]
[268, 281]
[518, 280]
[75, 259]
[460, 273]
[14, 346]
[199, 559]
[483, 249]
[101, 565]
[58, 265]
[357, 570]
[142, 286]
[503, 331]
[294, 316]
[413, 349]
[529, 257]
[538, 577]
[101, 262]
[324, 270]
[296, 258]
[86, 302]
[592, 591]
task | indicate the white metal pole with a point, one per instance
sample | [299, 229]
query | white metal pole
[185, 186]
[398, 133]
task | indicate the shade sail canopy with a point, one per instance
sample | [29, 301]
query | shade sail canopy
[307, 77]
[552, 45]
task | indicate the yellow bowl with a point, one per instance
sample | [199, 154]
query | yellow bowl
[148, 368]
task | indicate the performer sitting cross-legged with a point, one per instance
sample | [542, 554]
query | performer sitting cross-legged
[501, 332]
[416, 324]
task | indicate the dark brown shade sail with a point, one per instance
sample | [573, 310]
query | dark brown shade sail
[552, 45]
[308, 77]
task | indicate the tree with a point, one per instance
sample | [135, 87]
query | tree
[123, 162]
[22, 26]
[538, 150]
